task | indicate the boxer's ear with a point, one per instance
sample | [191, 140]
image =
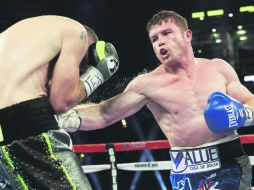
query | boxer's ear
[188, 36]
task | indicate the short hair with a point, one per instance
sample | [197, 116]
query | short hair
[164, 15]
[91, 33]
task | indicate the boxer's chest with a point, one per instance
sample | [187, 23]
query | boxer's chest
[190, 92]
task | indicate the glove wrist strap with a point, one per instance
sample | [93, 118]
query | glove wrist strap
[69, 121]
[249, 116]
[91, 79]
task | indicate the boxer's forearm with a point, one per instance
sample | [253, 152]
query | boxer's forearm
[92, 117]
[106, 113]
[250, 103]
[97, 116]
[81, 117]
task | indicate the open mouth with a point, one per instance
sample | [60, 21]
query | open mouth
[163, 51]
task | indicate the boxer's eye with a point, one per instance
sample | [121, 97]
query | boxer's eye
[154, 40]
[166, 33]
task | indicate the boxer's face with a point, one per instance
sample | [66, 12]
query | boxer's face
[169, 41]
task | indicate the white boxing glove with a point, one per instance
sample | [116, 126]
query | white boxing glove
[69, 121]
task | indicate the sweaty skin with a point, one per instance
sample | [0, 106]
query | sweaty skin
[176, 92]
[27, 47]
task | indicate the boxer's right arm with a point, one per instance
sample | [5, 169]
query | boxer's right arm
[110, 111]
[66, 89]
[97, 116]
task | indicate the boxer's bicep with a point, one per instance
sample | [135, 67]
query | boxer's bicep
[239, 92]
[234, 88]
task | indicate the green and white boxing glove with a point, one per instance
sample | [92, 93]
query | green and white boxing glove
[103, 63]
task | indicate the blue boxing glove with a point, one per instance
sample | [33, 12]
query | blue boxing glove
[225, 114]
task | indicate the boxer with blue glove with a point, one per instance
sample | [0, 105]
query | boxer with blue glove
[201, 158]
[225, 114]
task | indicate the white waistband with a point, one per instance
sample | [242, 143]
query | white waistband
[220, 141]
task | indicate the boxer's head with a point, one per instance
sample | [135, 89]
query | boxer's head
[169, 36]
[165, 15]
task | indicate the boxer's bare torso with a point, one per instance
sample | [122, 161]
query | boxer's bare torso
[26, 49]
[176, 92]
[178, 101]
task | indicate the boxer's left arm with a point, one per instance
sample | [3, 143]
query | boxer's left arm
[239, 92]
[97, 116]
[66, 89]
[242, 99]
[225, 114]
[235, 89]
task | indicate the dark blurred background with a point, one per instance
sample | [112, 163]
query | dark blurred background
[229, 35]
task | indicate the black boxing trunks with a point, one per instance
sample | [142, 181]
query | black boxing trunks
[34, 153]
[222, 166]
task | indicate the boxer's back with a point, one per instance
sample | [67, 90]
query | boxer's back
[25, 51]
